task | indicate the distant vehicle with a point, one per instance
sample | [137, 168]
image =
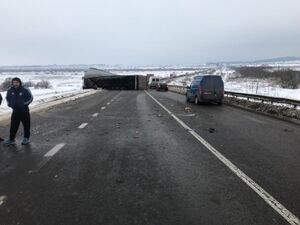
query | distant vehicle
[153, 82]
[162, 87]
[206, 88]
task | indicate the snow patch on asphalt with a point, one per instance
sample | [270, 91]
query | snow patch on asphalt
[2, 199]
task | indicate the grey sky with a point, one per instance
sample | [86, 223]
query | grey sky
[146, 32]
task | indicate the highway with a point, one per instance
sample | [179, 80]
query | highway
[147, 157]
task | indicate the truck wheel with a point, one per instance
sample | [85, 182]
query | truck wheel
[196, 100]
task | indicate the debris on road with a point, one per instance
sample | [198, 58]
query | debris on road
[188, 109]
[119, 181]
[118, 125]
[2, 199]
[136, 134]
[211, 130]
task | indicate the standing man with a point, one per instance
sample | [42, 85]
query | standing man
[1, 139]
[18, 98]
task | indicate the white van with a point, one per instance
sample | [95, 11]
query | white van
[153, 82]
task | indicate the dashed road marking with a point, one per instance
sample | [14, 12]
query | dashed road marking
[83, 125]
[47, 157]
[95, 114]
[108, 103]
[268, 198]
[54, 150]
[103, 107]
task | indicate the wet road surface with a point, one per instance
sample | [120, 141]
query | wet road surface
[118, 157]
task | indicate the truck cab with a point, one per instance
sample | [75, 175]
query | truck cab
[153, 82]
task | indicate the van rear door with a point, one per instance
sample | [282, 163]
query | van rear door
[213, 87]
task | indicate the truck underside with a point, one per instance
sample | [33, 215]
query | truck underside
[116, 82]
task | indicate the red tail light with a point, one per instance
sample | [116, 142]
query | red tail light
[200, 90]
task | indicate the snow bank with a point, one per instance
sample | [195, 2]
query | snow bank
[63, 84]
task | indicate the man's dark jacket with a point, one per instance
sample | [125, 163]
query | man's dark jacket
[19, 98]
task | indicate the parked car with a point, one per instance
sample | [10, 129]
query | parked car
[153, 82]
[162, 87]
[206, 88]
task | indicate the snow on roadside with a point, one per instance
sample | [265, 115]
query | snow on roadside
[245, 85]
[63, 84]
[66, 83]
[261, 87]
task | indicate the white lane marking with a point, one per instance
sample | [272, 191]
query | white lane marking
[103, 107]
[54, 150]
[2, 199]
[83, 125]
[47, 157]
[117, 96]
[187, 115]
[269, 199]
[95, 114]
[108, 103]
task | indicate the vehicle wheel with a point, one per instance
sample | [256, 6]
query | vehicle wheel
[187, 99]
[196, 100]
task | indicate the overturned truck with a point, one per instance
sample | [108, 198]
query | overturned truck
[96, 78]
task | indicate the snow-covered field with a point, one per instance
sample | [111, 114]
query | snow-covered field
[63, 83]
[157, 73]
[266, 87]
[261, 87]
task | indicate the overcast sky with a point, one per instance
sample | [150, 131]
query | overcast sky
[138, 32]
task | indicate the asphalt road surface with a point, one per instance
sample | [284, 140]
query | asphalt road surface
[119, 158]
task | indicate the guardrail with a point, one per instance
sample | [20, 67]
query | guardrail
[177, 89]
[260, 98]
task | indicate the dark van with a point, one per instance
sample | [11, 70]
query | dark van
[206, 88]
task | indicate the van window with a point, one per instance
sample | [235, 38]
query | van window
[195, 84]
[212, 83]
[198, 78]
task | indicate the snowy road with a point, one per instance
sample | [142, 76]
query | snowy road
[121, 158]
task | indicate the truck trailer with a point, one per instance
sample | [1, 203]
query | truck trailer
[96, 78]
